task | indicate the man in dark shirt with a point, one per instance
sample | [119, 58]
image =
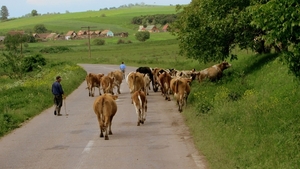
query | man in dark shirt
[58, 92]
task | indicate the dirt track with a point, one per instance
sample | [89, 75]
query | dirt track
[73, 141]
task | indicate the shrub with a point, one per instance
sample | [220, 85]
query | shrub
[57, 49]
[142, 36]
[120, 41]
[33, 62]
[99, 42]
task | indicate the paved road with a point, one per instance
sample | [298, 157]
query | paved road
[73, 142]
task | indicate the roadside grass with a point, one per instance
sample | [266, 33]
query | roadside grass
[22, 100]
[249, 119]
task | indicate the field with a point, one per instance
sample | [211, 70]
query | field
[249, 119]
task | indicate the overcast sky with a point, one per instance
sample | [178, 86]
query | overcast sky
[18, 8]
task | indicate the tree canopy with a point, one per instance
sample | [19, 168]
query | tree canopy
[208, 30]
[4, 13]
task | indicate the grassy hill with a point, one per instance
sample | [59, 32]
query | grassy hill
[249, 119]
[115, 20]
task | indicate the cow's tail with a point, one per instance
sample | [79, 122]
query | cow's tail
[176, 83]
[101, 107]
[140, 100]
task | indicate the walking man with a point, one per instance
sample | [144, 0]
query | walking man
[122, 68]
[58, 92]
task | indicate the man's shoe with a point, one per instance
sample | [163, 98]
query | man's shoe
[54, 112]
[59, 114]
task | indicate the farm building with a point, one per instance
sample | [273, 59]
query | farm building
[81, 32]
[141, 28]
[70, 35]
[152, 28]
[165, 28]
[107, 33]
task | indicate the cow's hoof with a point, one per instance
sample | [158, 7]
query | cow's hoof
[138, 123]
[106, 138]
[110, 133]
[101, 135]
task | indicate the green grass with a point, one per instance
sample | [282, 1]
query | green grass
[249, 119]
[115, 20]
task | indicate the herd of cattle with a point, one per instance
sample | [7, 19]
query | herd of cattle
[168, 81]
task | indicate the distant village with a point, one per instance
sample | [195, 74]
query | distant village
[82, 34]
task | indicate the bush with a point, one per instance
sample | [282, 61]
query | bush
[142, 36]
[99, 42]
[120, 41]
[57, 49]
[33, 62]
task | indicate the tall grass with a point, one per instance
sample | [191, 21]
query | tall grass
[23, 99]
[249, 119]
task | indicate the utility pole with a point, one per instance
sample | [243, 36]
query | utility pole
[89, 37]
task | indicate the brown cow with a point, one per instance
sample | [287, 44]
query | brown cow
[105, 108]
[147, 81]
[156, 72]
[140, 104]
[135, 81]
[93, 80]
[181, 90]
[118, 78]
[213, 73]
[164, 81]
[107, 84]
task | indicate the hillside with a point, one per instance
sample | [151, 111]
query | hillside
[115, 20]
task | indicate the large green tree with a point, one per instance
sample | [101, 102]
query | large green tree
[40, 28]
[34, 13]
[207, 30]
[280, 20]
[4, 13]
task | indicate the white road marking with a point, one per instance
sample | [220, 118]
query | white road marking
[88, 147]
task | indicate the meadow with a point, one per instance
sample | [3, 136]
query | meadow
[248, 119]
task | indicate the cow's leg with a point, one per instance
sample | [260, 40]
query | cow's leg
[93, 91]
[100, 125]
[137, 113]
[119, 86]
[110, 132]
[99, 91]
[106, 129]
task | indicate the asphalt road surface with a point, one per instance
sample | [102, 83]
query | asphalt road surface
[73, 142]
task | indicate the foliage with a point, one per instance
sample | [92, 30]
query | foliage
[31, 63]
[40, 28]
[55, 49]
[154, 19]
[4, 13]
[12, 64]
[280, 19]
[25, 99]
[207, 30]
[142, 36]
[12, 42]
[98, 42]
[34, 13]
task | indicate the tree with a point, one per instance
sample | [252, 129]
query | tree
[280, 20]
[40, 28]
[207, 29]
[142, 36]
[4, 13]
[34, 13]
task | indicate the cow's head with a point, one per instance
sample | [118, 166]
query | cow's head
[224, 65]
